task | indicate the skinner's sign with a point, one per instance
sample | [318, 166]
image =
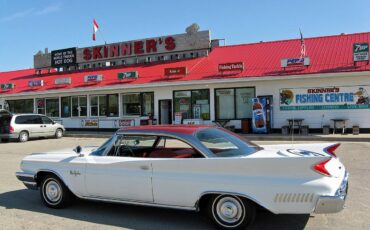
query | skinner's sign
[64, 57]
[327, 98]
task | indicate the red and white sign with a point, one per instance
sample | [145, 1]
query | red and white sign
[126, 122]
[231, 66]
[175, 71]
[140, 47]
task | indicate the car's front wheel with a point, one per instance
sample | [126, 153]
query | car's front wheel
[54, 193]
[231, 212]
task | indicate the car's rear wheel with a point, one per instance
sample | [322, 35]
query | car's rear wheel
[231, 212]
[59, 133]
[54, 193]
[23, 136]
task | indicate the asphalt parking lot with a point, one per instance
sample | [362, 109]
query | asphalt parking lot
[22, 209]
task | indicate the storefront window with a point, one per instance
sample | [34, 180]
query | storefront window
[52, 107]
[193, 104]
[244, 102]
[131, 104]
[20, 106]
[104, 105]
[148, 101]
[79, 106]
[234, 103]
[113, 105]
[66, 106]
[138, 103]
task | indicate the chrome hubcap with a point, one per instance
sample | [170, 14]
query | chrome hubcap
[59, 133]
[229, 210]
[53, 191]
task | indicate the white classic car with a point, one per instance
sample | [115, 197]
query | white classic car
[193, 168]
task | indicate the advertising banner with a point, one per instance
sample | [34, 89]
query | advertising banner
[361, 52]
[126, 75]
[90, 123]
[175, 71]
[36, 83]
[258, 117]
[64, 57]
[231, 66]
[7, 86]
[325, 98]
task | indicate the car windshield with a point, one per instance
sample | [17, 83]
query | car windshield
[108, 144]
[225, 144]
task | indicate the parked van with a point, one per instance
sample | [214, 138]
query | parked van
[24, 126]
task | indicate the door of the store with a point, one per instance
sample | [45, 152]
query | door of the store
[165, 111]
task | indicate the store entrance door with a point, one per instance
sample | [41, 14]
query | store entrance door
[165, 111]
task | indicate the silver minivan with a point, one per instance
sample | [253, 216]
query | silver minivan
[24, 126]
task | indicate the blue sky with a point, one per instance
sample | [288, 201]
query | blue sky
[29, 26]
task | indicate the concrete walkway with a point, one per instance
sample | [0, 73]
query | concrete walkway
[254, 137]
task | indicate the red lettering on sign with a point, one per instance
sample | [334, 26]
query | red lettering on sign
[126, 49]
[96, 52]
[138, 47]
[151, 45]
[114, 50]
[87, 54]
[170, 43]
[105, 51]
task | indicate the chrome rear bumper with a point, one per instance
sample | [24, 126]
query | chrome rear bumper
[333, 204]
[28, 179]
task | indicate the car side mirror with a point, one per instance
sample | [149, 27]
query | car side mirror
[78, 149]
[53, 122]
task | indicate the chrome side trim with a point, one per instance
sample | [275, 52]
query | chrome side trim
[140, 203]
[233, 194]
[333, 204]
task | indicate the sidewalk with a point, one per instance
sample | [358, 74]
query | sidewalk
[253, 137]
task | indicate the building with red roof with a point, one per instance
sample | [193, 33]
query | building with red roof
[189, 78]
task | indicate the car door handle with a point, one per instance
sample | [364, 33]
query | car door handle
[144, 167]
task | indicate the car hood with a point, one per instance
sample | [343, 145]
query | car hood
[59, 155]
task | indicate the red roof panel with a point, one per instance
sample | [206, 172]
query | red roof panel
[329, 54]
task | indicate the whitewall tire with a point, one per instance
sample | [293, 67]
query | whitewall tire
[54, 193]
[231, 212]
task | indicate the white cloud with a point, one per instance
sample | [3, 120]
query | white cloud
[48, 9]
[30, 12]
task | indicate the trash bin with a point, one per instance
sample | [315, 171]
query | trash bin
[326, 129]
[304, 130]
[246, 125]
[356, 130]
[285, 130]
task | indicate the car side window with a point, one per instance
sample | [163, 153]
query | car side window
[46, 120]
[134, 145]
[169, 147]
[28, 120]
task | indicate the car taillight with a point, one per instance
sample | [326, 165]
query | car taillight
[331, 149]
[11, 129]
[320, 168]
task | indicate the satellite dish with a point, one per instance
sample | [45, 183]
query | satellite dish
[192, 29]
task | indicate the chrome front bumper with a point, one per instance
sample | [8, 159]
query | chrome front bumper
[28, 179]
[333, 204]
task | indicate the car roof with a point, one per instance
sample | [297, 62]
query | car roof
[183, 129]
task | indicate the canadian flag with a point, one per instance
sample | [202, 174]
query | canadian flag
[95, 29]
